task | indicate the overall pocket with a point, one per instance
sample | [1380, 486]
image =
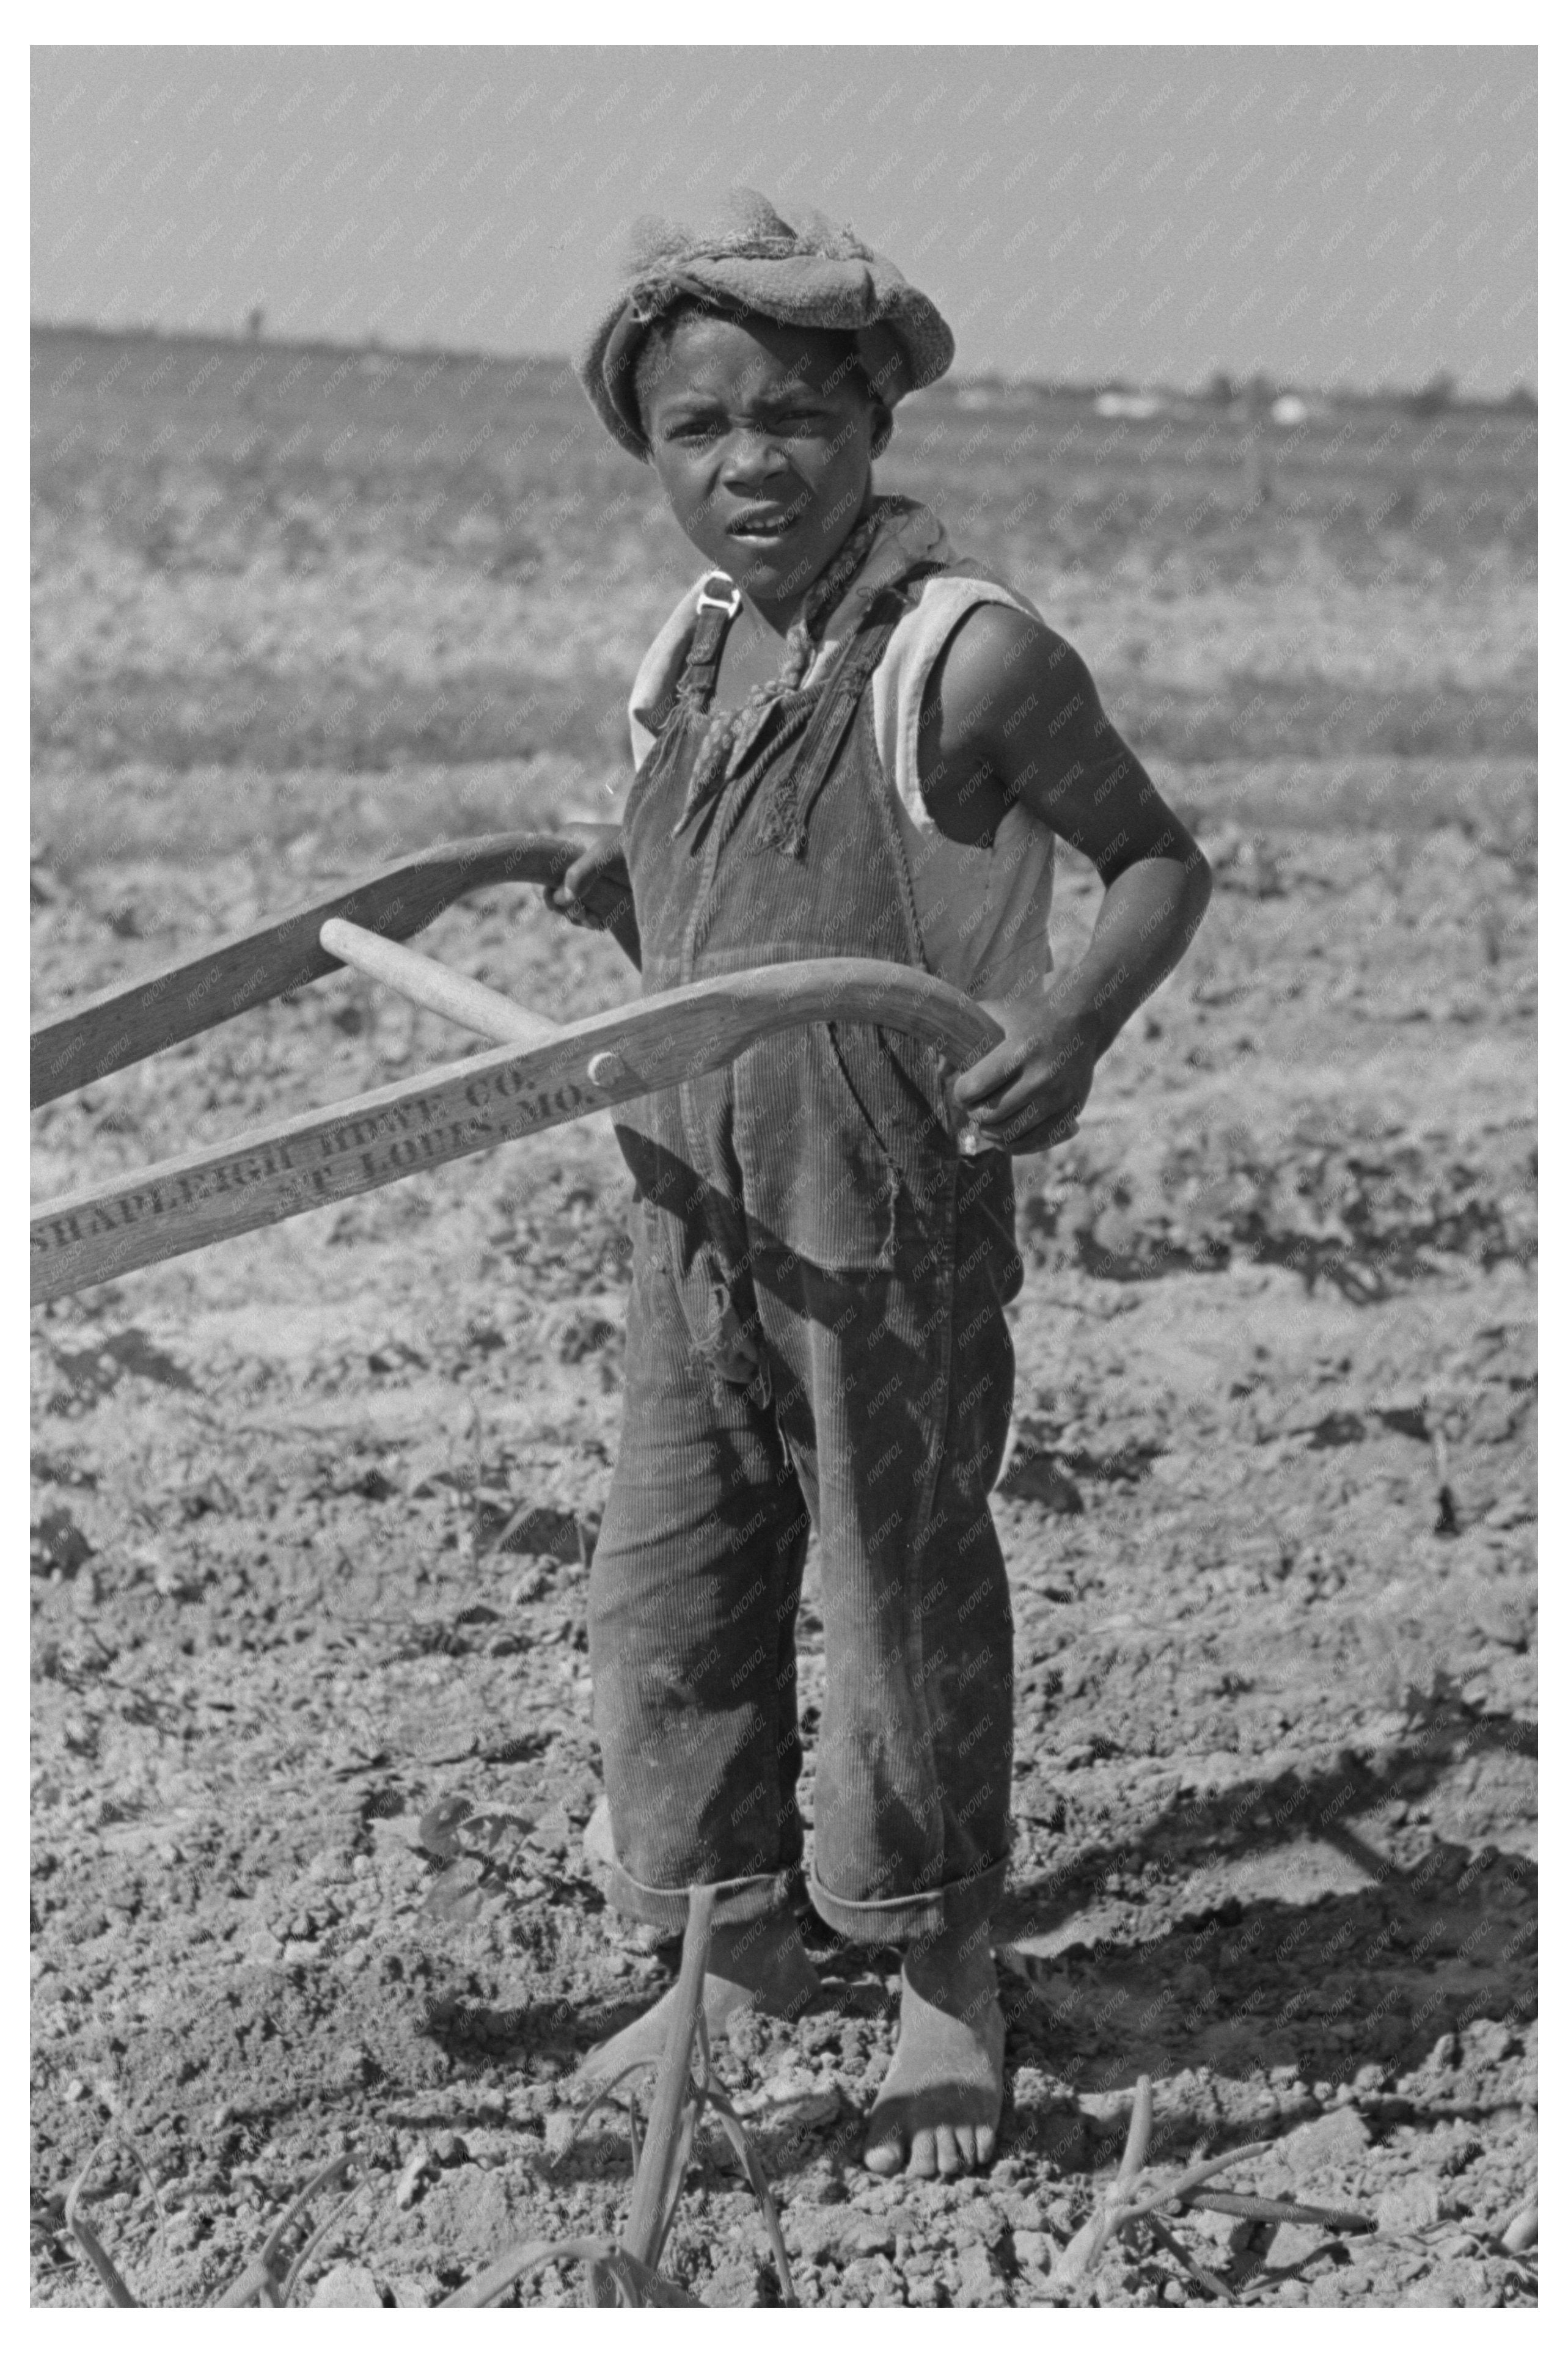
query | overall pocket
[845, 1159]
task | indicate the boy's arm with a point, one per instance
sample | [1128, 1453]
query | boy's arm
[596, 888]
[1012, 715]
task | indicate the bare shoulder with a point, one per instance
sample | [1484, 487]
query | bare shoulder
[1013, 717]
[998, 664]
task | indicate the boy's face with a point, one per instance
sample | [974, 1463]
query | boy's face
[763, 438]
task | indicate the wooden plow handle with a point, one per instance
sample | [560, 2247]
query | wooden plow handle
[276, 1172]
[126, 1024]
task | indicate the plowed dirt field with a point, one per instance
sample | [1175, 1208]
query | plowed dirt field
[313, 1509]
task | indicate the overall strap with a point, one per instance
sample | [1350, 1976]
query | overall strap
[716, 611]
[793, 793]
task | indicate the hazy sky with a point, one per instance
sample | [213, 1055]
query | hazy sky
[1329, 215]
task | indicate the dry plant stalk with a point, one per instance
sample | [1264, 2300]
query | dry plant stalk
[87, 2238]
[263, 2282]
[628, 2272]
[1132, 2199]
[1204, 2277]
[1084, 2250]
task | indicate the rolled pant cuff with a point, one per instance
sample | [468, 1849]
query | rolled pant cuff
[905, 1919]
[736, 1901]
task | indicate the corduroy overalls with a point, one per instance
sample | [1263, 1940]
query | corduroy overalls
[815, 1338]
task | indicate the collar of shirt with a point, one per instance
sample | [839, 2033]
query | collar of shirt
[913, 537]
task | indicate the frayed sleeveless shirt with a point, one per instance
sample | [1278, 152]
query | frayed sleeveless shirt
[984, 911]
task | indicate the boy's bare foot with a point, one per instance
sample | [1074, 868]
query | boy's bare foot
[762, 1964]
[940, 2101]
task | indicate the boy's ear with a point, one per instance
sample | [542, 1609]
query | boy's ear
[881, 428]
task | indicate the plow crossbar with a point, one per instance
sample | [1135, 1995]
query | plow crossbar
[320, 1156]
[437, 987]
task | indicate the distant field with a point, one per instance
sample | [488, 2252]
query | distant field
[277, 561]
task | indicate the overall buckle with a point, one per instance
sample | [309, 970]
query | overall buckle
[708, 603]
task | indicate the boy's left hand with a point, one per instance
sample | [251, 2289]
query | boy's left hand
[1025, 1094]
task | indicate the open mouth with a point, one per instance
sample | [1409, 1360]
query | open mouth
[762, 526]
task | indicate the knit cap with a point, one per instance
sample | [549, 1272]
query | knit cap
[750, 259]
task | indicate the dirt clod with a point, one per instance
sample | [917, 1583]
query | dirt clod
[346, 2283]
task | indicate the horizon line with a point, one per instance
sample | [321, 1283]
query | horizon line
[371, 346]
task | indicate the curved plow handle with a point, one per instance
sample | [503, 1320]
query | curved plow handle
[127, 1023]
[273, 1172]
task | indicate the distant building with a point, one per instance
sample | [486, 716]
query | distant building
[1128, 404]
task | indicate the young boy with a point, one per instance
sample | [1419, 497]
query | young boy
[848, 741]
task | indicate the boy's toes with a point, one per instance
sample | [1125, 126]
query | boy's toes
[976, 2146]
[884, 2146]
[926, 2152]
